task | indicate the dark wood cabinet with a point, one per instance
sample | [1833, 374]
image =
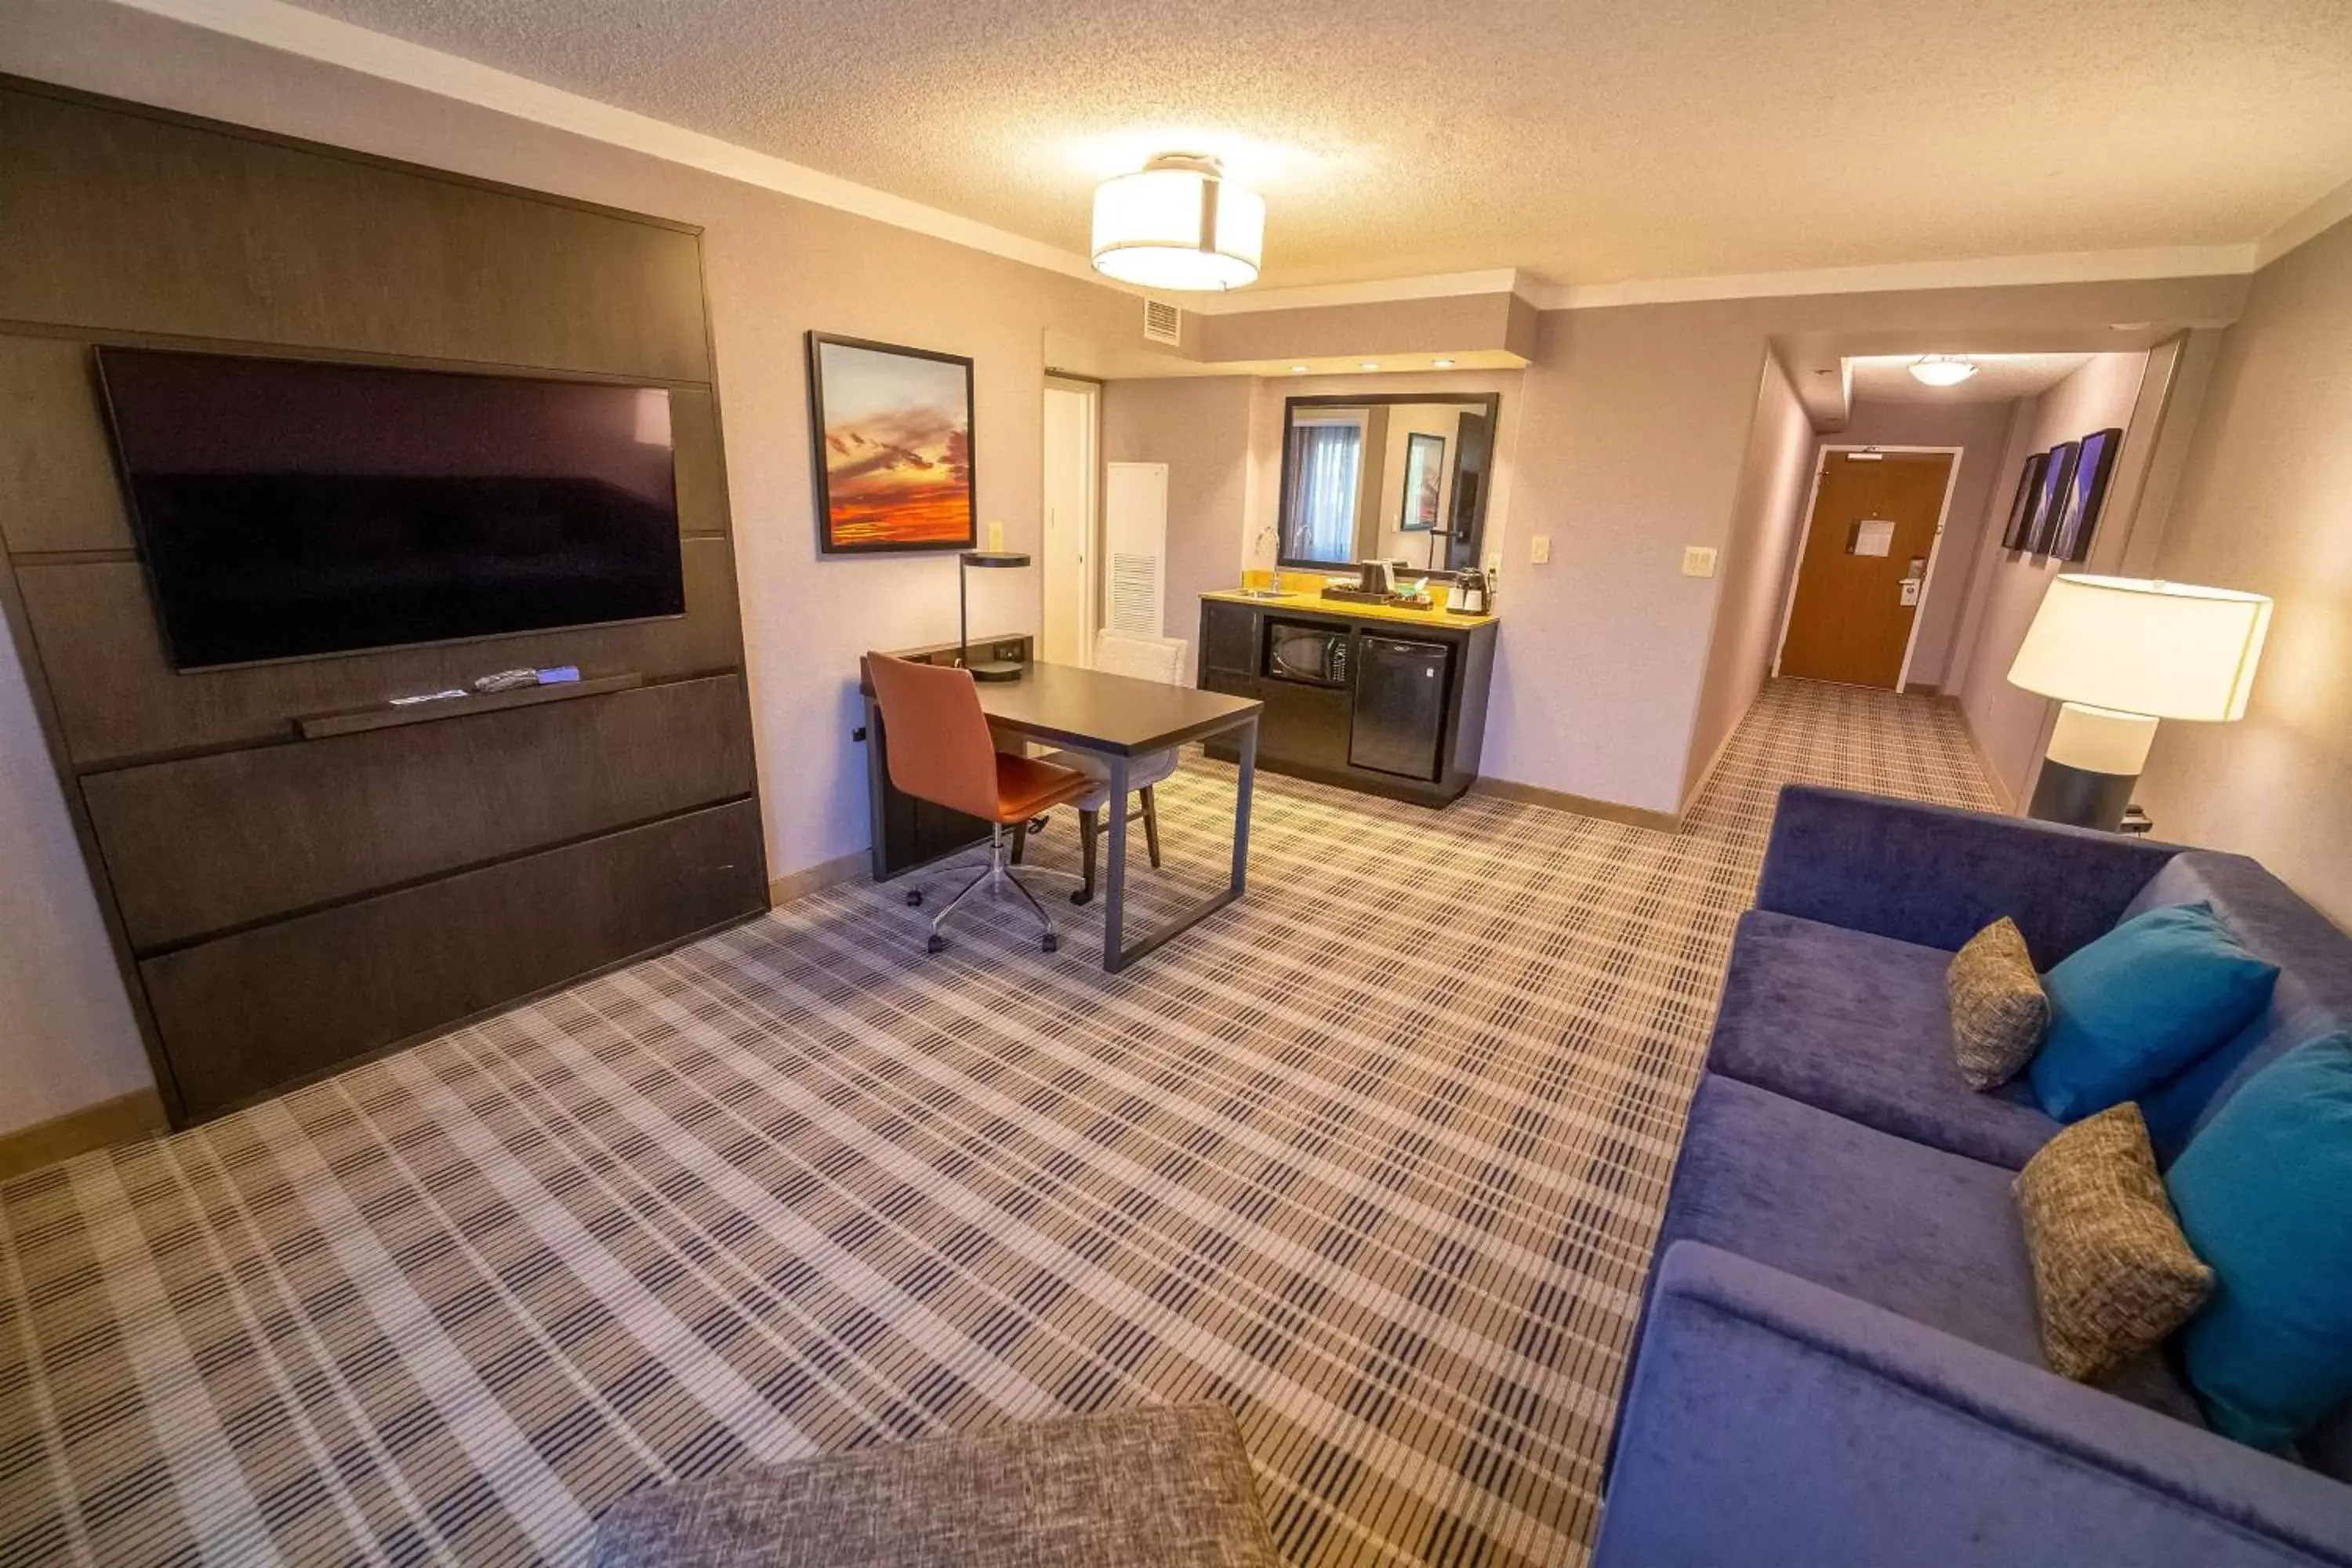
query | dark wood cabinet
[1400, 712]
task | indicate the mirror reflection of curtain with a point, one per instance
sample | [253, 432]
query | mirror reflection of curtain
[1323, 491]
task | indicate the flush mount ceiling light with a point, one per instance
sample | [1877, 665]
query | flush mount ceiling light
[1943, 370]
[1179, 223]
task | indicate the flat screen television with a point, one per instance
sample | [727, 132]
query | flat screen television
[290, 507]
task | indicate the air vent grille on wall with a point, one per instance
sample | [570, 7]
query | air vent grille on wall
[1135, 530]
[1162, 323]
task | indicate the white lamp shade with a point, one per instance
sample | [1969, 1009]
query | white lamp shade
[1179, 226]
[2168, 650]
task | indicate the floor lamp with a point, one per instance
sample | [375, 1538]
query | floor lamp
[2120, 654]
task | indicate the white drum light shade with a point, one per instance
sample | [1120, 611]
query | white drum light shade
[2168, 650]
[1179, 224]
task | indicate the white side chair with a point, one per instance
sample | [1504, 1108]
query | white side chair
[1145, 659]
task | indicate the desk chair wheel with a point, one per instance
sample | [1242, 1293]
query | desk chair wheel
[914, 897]
[937, 943]
[1051, 942]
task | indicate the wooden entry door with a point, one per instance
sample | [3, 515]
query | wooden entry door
[1865, 566]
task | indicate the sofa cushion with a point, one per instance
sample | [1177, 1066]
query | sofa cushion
[1930, 1236]
[2266, 1195]
[1999, 1010]
[1859, 1025]
[2113, 1274]
[2313, 997]
[2143, 1003]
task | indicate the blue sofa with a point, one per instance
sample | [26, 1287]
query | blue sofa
[1839, 1361]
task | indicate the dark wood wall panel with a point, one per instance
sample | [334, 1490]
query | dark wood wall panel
[149, 225]
[254, 1011]
[120, 699]
[279, 905]
[288, 827]
[58, 488]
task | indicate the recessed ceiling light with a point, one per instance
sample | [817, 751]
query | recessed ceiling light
[1179, 223]
[1943, 370]
[1370, 364]
[1442, 363]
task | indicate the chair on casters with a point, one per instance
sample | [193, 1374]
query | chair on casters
[941, 751]
[1146, 659]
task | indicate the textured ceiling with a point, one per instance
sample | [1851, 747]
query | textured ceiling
[1583, 140]
[1999, 378]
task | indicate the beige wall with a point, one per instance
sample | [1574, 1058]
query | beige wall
[2266, 504]
[67, 1039]
[1198, 426]
[1633, 427]
[2012, 726]
[1755, 566]
[1981, 430]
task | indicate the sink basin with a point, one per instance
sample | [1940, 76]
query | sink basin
[1259, 592]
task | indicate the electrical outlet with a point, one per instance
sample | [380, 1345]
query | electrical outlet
[1698, 561]
[1539, 549]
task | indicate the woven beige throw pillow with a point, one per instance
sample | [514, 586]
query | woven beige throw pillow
[2111, 1273]
[1999, 1010]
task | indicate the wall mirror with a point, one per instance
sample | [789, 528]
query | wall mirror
[1398, 477]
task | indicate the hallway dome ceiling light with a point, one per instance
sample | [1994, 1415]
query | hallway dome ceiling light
[1179, 223]
[1943, 370]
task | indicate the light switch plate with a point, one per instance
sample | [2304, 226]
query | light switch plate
[1540, 548]
[1698, 561]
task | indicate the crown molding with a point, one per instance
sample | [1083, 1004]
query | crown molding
[1992, 271]
[291, 30]
[2309, 224]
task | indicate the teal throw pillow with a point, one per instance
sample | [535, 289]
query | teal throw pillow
[2144, 1002]
[2265, 1196]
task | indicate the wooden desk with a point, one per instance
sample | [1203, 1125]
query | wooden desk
[1120, 718]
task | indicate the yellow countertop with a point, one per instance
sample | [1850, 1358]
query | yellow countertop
[1317, 605]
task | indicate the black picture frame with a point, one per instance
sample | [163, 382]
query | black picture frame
[1424, 454]
[2056, 474]
[824, 452]
[2021, 507]
[2085, 494]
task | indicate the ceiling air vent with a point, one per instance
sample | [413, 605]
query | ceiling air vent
[1163, 322]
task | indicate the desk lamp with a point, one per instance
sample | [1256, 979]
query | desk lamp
[992, 669]
[2119, 653]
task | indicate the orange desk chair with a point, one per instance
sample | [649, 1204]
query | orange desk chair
[941, 751]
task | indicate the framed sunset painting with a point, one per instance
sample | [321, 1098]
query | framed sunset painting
[893, 428]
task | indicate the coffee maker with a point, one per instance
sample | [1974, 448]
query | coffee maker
[1470, 596]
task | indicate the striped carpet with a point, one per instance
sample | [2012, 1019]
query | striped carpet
[1374, 1157]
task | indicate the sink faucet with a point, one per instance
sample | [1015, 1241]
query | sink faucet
[1273, 579]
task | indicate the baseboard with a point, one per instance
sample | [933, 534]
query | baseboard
[1722, 749]
[816, 877]
[1984, 765]
[1582, 805]
[138, 1114]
